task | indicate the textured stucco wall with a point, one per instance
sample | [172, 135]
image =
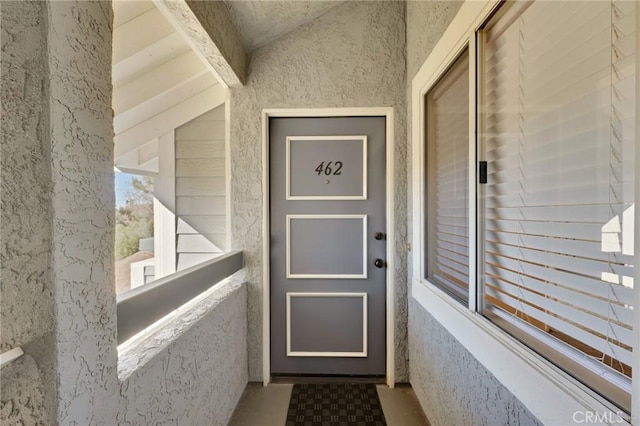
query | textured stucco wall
[353, 56]
[25, 239]
[58, 298]
[209, 28]
[26, 308]
[194, 374]
[81, 132]
[451, 385]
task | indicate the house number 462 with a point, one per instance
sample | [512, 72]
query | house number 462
[331, 168]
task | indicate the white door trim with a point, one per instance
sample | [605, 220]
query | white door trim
[266, 237]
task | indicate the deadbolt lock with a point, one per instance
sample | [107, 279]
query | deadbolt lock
[379, 236]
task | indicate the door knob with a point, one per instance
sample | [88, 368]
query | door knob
[379, 236]
[379, 263]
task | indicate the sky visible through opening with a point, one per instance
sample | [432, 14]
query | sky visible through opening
[122, 185]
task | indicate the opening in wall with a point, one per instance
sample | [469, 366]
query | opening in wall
[135, 263]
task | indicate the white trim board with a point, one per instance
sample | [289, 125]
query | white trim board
[365, 328]
[388, 113]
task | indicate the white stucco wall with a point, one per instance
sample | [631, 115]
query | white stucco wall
[442, 370]
[26, 305]
[353, 56]
[193, 374]
[57, 212]
[82, 213]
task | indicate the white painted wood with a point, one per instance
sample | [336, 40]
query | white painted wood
[136, 171]
[151, 165]
[200, 167]
[210, 148]
[217, 114]
[635, 392]
[126, 10]
[200, 205]
[266, 252]
[391, 247]
[168, 120]
[156, 81]
[291, 139]
[149, 57]
[209, 224]
[361, 217]
[201, 243]
[365, 328]
[129, 160]
[164, 207]
[10, 356]
[148, 152]
[198, 130]
[200, 186]
[138, 33]
[161, 101]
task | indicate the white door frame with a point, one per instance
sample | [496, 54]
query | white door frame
[266, 231]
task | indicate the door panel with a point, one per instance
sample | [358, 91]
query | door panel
[327, 200]
[311, 332]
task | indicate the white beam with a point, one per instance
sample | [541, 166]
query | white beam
[126, 10]
[149, 57]
[162, 101]
[138, 33]
[131, 171]
[148, 152]
[168, 120]
[157, 81]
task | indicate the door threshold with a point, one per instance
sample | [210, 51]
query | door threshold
[333, 378]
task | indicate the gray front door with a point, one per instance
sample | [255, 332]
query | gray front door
[328, 245]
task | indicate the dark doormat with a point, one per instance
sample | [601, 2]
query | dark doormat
[329, 404]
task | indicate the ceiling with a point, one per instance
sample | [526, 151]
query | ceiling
[159, 84]
[260, 22]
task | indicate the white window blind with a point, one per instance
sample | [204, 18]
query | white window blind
[559, 138]
[447, 180]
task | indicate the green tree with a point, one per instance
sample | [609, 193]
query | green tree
[134, 221]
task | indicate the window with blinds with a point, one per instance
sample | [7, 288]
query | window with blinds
[447, 175]
[558, 209]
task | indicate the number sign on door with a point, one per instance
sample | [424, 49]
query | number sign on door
[326, 167]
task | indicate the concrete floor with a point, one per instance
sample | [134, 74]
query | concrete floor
[260, 406]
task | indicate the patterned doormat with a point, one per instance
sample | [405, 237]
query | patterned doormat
[335, 404]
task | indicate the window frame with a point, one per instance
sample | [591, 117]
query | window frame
[428, 150]
[551, 395]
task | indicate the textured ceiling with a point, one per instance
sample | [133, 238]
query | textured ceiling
[260, 22]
